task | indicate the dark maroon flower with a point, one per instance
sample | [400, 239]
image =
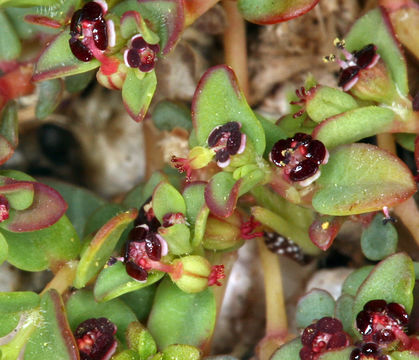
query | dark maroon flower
[96, 339]
[146, 216]
[300, 157]
[141, 54]
[143, 252]
[303, 95]
[326, 334]
[90, 33]
[171, 219]
[355, 62]
[367, 351]
[4, 208]
[382, 323]
[227, 140]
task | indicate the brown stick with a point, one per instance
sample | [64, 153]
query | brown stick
[235, 44]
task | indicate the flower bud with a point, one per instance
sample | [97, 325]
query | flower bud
[222, 233]
[113, 81]
[140, 340]
[192, 273]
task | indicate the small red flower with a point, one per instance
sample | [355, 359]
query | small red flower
[326, 334]
[96, 339]
[4, 208]
[140, 54]
[217, 273]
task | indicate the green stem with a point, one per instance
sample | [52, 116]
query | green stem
[63, 279]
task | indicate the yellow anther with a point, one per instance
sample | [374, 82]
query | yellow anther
[325, 225]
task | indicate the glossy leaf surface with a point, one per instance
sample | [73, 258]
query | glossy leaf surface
[82, 306]
[219, 100]
[172, 322]
[379, 240]
[53, 337]
[313, 306]
[353, 125]
[392, 280]
[361, 178]
[375, 28]
[43, 249]
[113, 281]
[57, 60]
[265, 12]
[101, 247]
[137, 93]
[12, 305]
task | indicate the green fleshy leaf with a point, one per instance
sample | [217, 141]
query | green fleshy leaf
[17, 175]
[9, 124]
[407, 141]
[221, 194]
[353, 125]
[140, 301]
[81, 203]
[217, 101]
[4, 249]
[285, 228]
[355, 280]
[6, 150]
[313, 306]
[181, 352]
[57, 60]
[12, 305]
[220, 357]
[53, 336]
[405, 355]
[196, 210]
[10, 46]
[50, 92]
[132, 23]
[168, 115]
[113, 281]
[343, 311]
[166, 18]
[78, 82]
[101, 247]
[101, 216]
[27, 3]
[138, 92]
[375, 27]
[177, 237]
[126, 355]
[20, 195]
[43, 249]
[82, 306]
[140, 339]
[379, 240]
[46, 209]
[134, 198]
[289, 351]
[166, 199]
[265, 12]
[337, 354]
[172, 322]
[326, 102]
[392, 280]
[273, 133]
[361, 178]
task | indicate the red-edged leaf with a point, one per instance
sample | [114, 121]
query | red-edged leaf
[323, 231]
[47, 208]
[361, 178]
[166, 18]
[19, 194]
[221, 194]
[57, 60]
[17, 82]
[265, 12]
[9, 123]
[100, 248]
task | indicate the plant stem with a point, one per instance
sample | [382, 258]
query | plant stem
[407, 211]
[235, 44]
[63, 279]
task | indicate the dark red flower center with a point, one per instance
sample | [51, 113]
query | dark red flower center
[141, 54]
[300, 156]
[4, 208]
[367, 351]
[89, 32]
[227, 140]
[326, 334]
[96, 339]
